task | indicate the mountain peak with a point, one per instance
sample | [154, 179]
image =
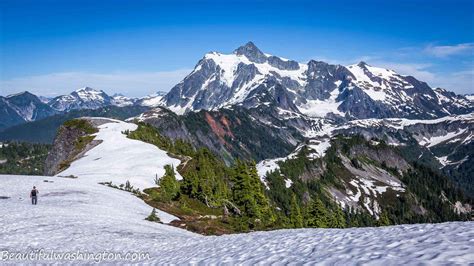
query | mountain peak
[86, 89]
[251, 51]
[26, 93]
[362, 64]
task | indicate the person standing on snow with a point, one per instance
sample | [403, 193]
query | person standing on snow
[34, 195]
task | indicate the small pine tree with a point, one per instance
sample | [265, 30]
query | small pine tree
[153, 217]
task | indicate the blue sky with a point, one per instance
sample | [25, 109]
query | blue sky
[138, 47]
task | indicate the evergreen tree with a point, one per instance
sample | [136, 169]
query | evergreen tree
[337, 218]
[169, 186]
[383, 219]
[242, 191]
[262, 200]
[318, 214]
[153, 217]
[296, 219]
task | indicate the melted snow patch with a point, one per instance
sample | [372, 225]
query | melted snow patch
[320, 108]
[319, 147]
[435, 140]
[155, 113]
[400, 123]
[266, 166]
[371, 192]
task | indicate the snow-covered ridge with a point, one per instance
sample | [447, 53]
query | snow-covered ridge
[378, 83]
[152, 100]
[119, 159]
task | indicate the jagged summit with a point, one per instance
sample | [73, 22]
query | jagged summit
[362, 64]
[85, 89]
[251, 51]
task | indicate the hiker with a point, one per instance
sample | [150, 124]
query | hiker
[34, 195]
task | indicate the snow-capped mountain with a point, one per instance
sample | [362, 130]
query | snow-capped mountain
[22, 107]
[316, 89]
[84, 98]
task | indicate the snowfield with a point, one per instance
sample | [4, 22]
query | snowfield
[73, 215]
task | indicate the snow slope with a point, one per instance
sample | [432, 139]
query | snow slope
[119, 158]
[73, 214]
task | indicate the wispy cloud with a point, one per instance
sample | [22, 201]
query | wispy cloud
[449, 50]
[128, 83]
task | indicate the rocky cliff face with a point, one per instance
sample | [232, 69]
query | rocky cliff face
[72, 141]
[229, 133]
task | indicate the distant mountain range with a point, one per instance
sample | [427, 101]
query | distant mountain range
[27, 107]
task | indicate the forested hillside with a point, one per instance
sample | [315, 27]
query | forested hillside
[214, 198]
[23, 158]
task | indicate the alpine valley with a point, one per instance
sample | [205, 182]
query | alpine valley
[251, 141]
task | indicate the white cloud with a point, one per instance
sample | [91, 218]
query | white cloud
[448, 50]
[133, 84]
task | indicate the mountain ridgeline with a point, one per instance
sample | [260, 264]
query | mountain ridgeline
[317, 89]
